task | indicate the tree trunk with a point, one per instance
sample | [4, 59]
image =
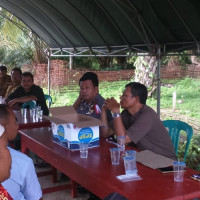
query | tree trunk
[145, 72]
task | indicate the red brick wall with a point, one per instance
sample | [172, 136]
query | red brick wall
[61, 75]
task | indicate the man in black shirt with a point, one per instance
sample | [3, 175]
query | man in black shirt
[28, 91]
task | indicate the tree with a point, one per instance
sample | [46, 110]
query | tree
[145, 72]
[18, 43]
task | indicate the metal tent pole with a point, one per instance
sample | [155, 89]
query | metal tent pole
[49, 64]
[158, 57]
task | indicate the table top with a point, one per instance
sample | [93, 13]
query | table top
[30, 122]
[98, 175]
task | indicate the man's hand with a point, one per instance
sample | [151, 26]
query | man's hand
[78, 101]
[112, 105]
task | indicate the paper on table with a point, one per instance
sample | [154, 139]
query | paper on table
[153, 160]
[128, 177]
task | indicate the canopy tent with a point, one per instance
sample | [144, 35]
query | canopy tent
[112, 27]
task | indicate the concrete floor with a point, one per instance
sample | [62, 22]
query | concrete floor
[45, 181]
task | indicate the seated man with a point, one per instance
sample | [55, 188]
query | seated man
[5, 159]
[89, 101]
[16, 77]
[23, 182]
[5, 80]
[26, 92]
[138, 122]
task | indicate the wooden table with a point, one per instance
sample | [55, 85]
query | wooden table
[98, 175]
[30, 122]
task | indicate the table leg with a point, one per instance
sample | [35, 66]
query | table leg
[54, 174]
[73, 189]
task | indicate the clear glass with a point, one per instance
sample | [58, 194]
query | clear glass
[115, 155]
[130, 164]
[83, 150]
[178, 168]
[121, 143]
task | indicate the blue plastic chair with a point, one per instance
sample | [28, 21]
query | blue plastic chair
[48, 98]
[174, 128]
[30, 104]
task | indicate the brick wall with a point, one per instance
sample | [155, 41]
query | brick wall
[61, 75]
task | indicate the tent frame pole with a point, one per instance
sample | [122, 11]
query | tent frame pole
[158, 57]
[49, 64]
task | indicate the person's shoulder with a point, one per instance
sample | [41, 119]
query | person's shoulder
[36, 87]
[20, 157]
[19, 88]
[147, 108]
[99, 97]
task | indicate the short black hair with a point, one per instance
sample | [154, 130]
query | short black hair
[4, 113]
[139, 90]
[17, 69]
[90, 76]
[27, 74]
[3, 68]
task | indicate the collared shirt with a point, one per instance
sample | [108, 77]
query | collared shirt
[147, 132]
[93, 109]
[23, 182]
[35, 91]
[11, 88]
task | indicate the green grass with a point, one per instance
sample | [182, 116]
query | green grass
[187, 90]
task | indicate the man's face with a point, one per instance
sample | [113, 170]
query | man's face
[2, 73]
[16, 76]
[87, 90]
[127, 100]
[27, 82]
[11, 127]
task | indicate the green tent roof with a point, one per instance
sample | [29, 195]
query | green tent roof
[112, 25]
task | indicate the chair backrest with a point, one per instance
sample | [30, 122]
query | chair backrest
[48, 98]
[174, 128]
[30, 104]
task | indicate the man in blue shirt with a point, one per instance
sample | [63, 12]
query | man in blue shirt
[23, 182]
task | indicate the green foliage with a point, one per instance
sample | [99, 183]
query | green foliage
[15, 45]
[187, 91]
[86, 62]
[193, 155]
[183, 59]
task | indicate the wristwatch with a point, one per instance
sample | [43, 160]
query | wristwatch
[115, 115]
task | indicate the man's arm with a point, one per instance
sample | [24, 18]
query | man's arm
[118, 125]
[105, 131]
[22, 100]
